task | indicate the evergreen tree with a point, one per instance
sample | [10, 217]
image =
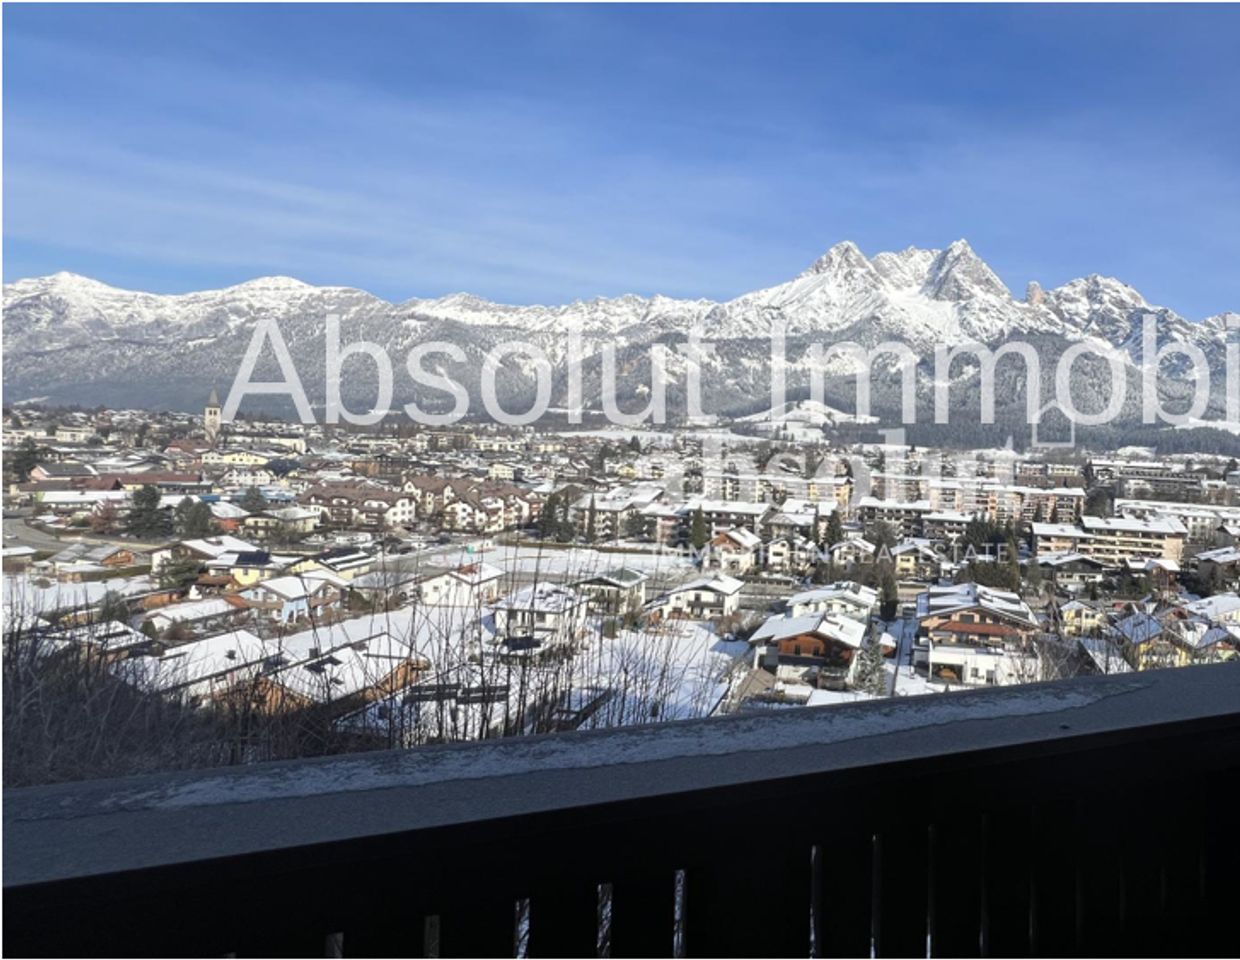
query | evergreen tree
[1033, 575]
[697, 530]
[835, 529]
[565, 532]
[177, 574]
[869, 675]
[191, 518]
[635, 526]
[635, 445]
[1013, 564]
[591, 521]
[180, 516]
[1099, 502]
[549, 518]
[883, 535]
[112, 606]
[253, 501]
[24, 459]
[146, 517]
[888, 591]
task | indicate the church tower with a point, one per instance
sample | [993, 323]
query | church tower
[211, 416]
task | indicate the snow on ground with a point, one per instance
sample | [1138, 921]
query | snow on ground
[674, 671]
[582, 562]
[1195, 423]
[24, 596]
[908, 684]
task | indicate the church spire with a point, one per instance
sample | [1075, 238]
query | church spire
[211, 416]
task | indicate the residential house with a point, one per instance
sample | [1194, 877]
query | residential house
[292, 598]
[1080, 618]
[813, 639]
[214, 613]
[540, 615]
[1069, 570]
[916, 559]
[733, 552]
[206, 669]
[845, 598]
[706, 598]
[472, 584]
[614, 591]
[976, 634]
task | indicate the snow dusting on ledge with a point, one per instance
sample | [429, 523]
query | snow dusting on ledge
[704, 738]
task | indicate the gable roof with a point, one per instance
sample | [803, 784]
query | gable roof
[828, 626]
[718, 584]
[617, 577]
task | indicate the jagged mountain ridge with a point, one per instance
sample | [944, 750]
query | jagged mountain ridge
[70, 338]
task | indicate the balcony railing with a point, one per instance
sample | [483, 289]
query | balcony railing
[1092, 816]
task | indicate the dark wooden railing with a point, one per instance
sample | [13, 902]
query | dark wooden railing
[1093, 816]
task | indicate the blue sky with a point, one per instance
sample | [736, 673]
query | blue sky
[544, 153]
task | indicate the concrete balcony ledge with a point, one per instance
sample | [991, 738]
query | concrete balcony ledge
[81, 830]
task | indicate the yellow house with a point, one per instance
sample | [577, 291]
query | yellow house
[1080, 619]
[245, 567]
[304, 565]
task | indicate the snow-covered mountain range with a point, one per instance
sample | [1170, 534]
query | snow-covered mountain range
[73, 339]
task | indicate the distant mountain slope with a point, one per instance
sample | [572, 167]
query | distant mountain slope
[73, 339]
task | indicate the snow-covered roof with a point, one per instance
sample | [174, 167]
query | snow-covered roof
[617, 577]
[297, 587]
[1222, 555]
[1062, 558]
[847, 591]
[1201, 634]
[343, 672]
[194, 662]
[743, 538]
[718, 584]
[477, 573]
[1162, 526]
[193, 610]
[1139, 628]
[1104, 654]
[1149, 565]
[1067, 530]
[943, 601]
[726, 507]
[831, 626]
[1212, 608]
[214, 546]
[542, 598]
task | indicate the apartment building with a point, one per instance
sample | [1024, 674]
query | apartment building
[1116, 540]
